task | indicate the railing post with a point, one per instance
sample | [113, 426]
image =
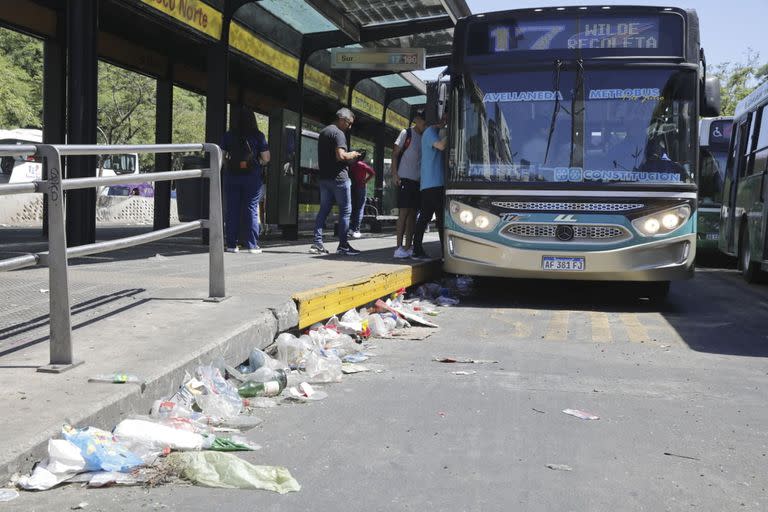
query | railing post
[215, 224]
[58, 281]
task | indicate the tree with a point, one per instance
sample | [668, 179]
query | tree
[21, 89]
[738, 79]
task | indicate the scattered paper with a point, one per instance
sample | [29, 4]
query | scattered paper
[464, 372]
[560, 467]
[466, 361]
[581, 414]
[8, 495]
[353, 368]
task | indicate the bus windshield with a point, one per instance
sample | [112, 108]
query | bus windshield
[582, 127]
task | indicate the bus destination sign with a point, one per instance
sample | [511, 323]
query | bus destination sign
[595, 35]
[632, 33]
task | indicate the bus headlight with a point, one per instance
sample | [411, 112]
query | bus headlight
[664, 222]
[471, 218]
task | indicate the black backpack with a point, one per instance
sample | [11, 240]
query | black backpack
[241, 156]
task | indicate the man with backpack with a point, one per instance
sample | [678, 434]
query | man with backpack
[247, 153]
[406, 171]
[335, 186]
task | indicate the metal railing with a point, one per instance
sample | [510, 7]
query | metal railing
[53, 186]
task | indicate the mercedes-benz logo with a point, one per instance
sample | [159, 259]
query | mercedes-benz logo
[564, 233]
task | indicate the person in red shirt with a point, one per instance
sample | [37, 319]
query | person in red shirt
[360, 173]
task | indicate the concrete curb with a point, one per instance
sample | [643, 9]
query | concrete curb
[234, 345]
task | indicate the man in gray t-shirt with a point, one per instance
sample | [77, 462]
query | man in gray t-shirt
[406, 170]
[333, 180]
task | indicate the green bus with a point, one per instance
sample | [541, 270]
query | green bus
[714, 138]
[743, 215]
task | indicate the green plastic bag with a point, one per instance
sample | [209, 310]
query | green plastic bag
[218, 469]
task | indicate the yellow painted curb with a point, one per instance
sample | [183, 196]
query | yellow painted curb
[322, 303]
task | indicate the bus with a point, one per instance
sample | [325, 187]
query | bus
[743, 216]
[714, 138]
[573, 140]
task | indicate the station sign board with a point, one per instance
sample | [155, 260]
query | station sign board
[381, 59]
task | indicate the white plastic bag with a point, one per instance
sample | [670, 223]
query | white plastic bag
[219, 397]
[290, 349]
[377, 326]
[321, 367]
[156, 436]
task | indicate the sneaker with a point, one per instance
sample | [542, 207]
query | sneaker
[347, 250]
[232, 249]
[401, 253]
[318, 249]
[421, 256]
[356, 234]
[255, 250]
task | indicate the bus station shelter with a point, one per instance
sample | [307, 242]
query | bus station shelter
[270, 55]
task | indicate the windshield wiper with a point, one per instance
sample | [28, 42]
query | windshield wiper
[576, 94]
[556, 110]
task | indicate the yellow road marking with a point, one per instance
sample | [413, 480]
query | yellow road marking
[558, 326]
[520, 328]
[635, 331]
[601, 329]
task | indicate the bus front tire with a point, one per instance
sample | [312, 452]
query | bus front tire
[750, 270]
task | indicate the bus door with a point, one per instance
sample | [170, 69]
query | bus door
[736, 163]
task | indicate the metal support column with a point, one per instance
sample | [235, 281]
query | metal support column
[163, 135]
[61, 356]
[54, 98]
[82, 91]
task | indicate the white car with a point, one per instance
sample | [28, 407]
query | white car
[22, 169]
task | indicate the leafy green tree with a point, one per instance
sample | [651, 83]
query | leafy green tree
[738, 79]
[21, 89]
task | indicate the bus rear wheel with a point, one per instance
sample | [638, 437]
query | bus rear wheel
[749, 269]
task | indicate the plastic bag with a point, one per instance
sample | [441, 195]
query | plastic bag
[218, 469]
[100, 450]
[291, 350]
[350, 323]
[156, 436]
[321, 367]
[377, 325]
[341, 345]
[219, 397]
[63, 462]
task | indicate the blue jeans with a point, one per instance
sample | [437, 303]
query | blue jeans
[339, 192]
[243, 193]
[358, 208]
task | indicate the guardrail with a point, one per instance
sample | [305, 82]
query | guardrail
[53, 186]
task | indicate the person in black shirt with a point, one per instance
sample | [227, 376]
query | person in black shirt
[334, 183]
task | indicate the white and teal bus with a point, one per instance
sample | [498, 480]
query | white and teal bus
[743, 217]
[574, 144]
[714, 138]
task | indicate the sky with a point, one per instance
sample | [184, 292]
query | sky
[728, 27]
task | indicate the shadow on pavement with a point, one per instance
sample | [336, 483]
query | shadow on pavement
[15, 333]
[716, 312]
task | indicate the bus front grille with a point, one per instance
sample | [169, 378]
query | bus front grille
[553, 206]
[582, 233]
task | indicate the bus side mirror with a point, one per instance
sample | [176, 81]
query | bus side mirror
[442, 97]
[710, 100]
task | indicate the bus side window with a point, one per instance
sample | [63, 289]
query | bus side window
[752, 145]
[761, 154]
[742, 151]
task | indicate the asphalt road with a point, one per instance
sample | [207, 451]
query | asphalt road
[680, 391]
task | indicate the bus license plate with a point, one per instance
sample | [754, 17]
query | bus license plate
[713, 236]
[556, 263]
